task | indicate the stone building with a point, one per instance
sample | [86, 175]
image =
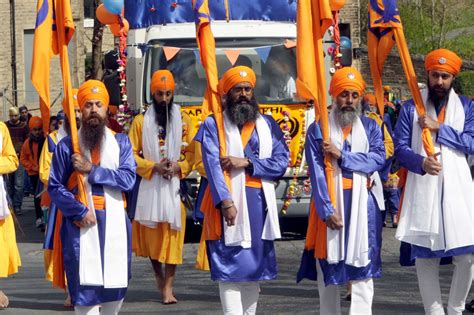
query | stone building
[17, 48]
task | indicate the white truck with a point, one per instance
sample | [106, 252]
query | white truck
[262, 33]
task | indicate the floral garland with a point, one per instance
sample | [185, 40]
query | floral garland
[294, 187]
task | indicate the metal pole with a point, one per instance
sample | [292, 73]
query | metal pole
[13, 52]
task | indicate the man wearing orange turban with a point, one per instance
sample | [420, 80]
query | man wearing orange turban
[161, 141]
[436, 217]
[29, 158]
[100, 229]
[241, 251]
[353, 225]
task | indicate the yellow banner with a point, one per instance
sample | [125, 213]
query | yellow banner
[291, 115]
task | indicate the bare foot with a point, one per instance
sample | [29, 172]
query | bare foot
[67, 302]
[3, 301]
[168, 297]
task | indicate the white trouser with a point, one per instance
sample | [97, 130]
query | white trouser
[109, 308]
[239, 298]
[427, 271]
[330, 297]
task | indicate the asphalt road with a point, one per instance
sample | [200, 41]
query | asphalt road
[395, 293]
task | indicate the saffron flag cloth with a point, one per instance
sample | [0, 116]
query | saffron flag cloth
[386, 29]
[313, 19]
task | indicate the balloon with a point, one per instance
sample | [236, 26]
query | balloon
[104, 16]
[115, 28]
[114, 6]
[346, 42]
[336, 5]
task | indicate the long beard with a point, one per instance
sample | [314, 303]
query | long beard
[162, 112]
[92, 132]
[346, 117]
[242, 111]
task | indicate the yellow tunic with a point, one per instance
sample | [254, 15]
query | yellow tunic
[9, 255]
[161, 243]
[44, 168]
[387, 138]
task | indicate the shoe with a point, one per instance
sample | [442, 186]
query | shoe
[395, 222]
[39, 223]
[18, 212]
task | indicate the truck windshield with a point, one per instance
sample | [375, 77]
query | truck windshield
[276, 77]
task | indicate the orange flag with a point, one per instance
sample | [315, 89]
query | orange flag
[42, 52]
[385, 29]
[212, 228]
[313, 19]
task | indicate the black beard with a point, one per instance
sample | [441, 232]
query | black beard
[437, 99]
[92, 132]
[243, 110]
[161, 109]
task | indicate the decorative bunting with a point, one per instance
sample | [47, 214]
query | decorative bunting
[232, 55]
[263, 52]
[290, 43]
[170, 52]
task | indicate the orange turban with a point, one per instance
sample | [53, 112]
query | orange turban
[236, 75]
[347, 78]
[35, 122]
[92, 90]
[162, 80]
[443, 60]
[370, 98]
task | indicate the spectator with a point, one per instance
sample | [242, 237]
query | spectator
[29, 158]
[53, 123]
[24, 114]
[19, 133]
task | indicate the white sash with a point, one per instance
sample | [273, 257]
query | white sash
[239, 234]
[358, 242]
[437, 210]
[61, 133]
[158, 198]
[115, 271]
[4, 209]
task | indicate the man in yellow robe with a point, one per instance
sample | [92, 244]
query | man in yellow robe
[160, 140]
[9, 255]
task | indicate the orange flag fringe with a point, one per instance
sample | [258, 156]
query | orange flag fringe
[313, 19]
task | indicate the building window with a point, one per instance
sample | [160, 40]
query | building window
[89, 12]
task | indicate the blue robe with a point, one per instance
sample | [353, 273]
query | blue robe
[72, 210]
[447, 136]
[340, 273]
[235, 263]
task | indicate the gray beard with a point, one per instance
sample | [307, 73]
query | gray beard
[346, 118]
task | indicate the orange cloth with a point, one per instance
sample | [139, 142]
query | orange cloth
[346, 78]
[370, 98]
[35, 122]
[443, 60]
[162, 80]
[74, 99]
[442, 115]
[92, 90]
[237, 75]
[29, 160]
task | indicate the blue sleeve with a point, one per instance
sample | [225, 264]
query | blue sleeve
[315, 160]
[61, 170]
[402, 141]
[371, 161]
[460, 140]
[274, 167]
[123, 177]
[207, 135]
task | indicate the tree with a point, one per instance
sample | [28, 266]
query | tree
[97, 71]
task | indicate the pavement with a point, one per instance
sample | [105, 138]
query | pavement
[395, 293]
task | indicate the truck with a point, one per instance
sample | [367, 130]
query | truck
[258, 33]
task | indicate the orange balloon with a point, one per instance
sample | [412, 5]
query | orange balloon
[115, 28]
[106, 17]
[336, 5]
